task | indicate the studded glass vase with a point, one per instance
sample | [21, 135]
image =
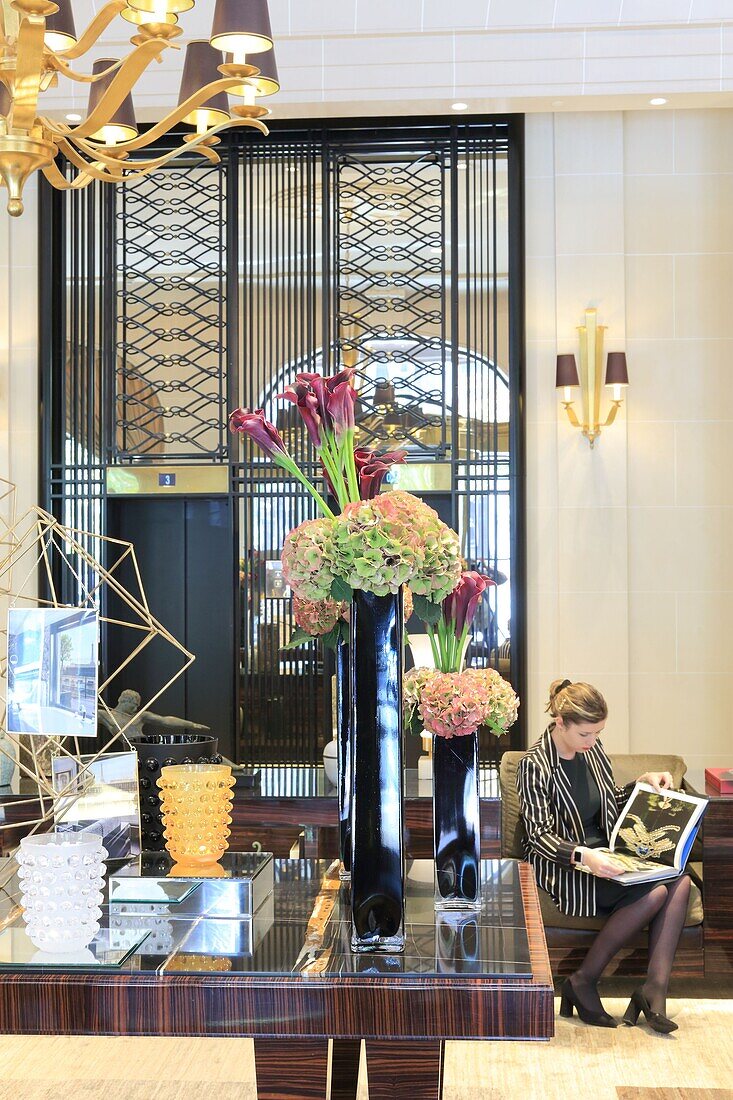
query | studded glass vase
[160, 750]
[61, 877]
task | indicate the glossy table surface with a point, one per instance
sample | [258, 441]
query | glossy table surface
[306, 781]
[153, 939]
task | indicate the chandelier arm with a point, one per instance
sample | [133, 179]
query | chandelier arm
[130, 71]
[122, 171]
[160, 129]
[28, 72]
[58, 180]
[59, 65]
[95, 29]
[137, 169]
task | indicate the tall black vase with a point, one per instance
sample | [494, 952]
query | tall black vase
[377, 867]
[343, 736]
[456, 822]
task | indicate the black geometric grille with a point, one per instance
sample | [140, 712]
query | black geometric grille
[172, 315]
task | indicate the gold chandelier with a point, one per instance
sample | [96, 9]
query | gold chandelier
[37, 43]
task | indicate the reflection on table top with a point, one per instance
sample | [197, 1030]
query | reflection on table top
[486, 944]
[306, 781]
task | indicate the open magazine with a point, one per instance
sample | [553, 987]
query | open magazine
[654, 833]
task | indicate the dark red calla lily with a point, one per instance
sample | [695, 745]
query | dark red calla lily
[259, 430]
[460, 606]
[303, 397]
[341, 402]
[371, 469]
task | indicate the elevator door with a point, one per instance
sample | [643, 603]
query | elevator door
[184, 549]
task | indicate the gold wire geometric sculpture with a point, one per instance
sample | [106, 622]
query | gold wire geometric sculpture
[37, 541]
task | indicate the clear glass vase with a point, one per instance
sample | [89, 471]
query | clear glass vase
[61, 877]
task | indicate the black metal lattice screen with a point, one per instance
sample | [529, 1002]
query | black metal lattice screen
[394, 249]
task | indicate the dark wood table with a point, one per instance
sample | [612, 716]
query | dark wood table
[470, 976]
[292, 798]
[717, 872]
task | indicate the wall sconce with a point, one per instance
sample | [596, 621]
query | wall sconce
[590, 380]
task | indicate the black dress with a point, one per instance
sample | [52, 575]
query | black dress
[610, 895]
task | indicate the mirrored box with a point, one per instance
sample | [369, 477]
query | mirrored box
[234, 888]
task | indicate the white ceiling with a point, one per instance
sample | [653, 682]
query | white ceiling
[401, 57]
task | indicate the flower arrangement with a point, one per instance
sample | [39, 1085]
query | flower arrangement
[455, 704]
[328, 620]
[375, 543]
[451, 701]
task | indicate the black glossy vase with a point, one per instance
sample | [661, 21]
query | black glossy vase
[456, 822]
[377, 867]
[343, 737]
[156, 751]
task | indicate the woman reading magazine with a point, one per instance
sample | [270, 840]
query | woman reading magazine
[569, 804]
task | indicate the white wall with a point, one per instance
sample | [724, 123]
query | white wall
[19, 348]
[631, 545]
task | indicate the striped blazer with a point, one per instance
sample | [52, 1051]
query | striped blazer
[552, 823]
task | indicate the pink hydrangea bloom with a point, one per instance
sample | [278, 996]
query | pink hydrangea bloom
[316, 617]
[304, 566]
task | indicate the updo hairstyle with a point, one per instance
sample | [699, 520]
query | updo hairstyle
[576, 702]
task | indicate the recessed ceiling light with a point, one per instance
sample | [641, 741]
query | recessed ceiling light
[459, 106]
[73, 118]
[658, 101]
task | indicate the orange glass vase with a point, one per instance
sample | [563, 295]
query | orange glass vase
[195, 801]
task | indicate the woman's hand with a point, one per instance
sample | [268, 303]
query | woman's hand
[598, 863]
[661, 781]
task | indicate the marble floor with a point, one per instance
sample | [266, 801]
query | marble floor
[695, 1063]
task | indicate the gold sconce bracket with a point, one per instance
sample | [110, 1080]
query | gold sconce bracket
[589, 379]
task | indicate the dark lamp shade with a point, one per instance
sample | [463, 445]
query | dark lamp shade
[268, 82]
[241, 27]
[122, 126]
[201, 67]
[617, 373]
[155, 8]
[60, 30]
[567, 372]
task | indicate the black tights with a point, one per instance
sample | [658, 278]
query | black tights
[664, 909]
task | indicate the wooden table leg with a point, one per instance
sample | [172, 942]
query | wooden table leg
[345, 1068]
[291, 1069]
[400, 1068]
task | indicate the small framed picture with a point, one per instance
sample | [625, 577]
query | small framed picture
[276, 587]
[52, 671]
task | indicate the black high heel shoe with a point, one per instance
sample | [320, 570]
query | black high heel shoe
[656, 1020]
[569, 1001]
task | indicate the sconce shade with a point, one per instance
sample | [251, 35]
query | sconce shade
[617, 373]
[241, 27]
[567, 372]
[200, 68]
[60, 29]
[122, 126]
[5, 101]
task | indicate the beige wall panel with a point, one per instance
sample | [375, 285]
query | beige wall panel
[702, 296]
[650, 296]
[652, 634]
[651, 462]
[648, 143]
[590, 217]
[680, 380]
[679, 214]
[704, 461]
[591, 144]
[702, 141]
